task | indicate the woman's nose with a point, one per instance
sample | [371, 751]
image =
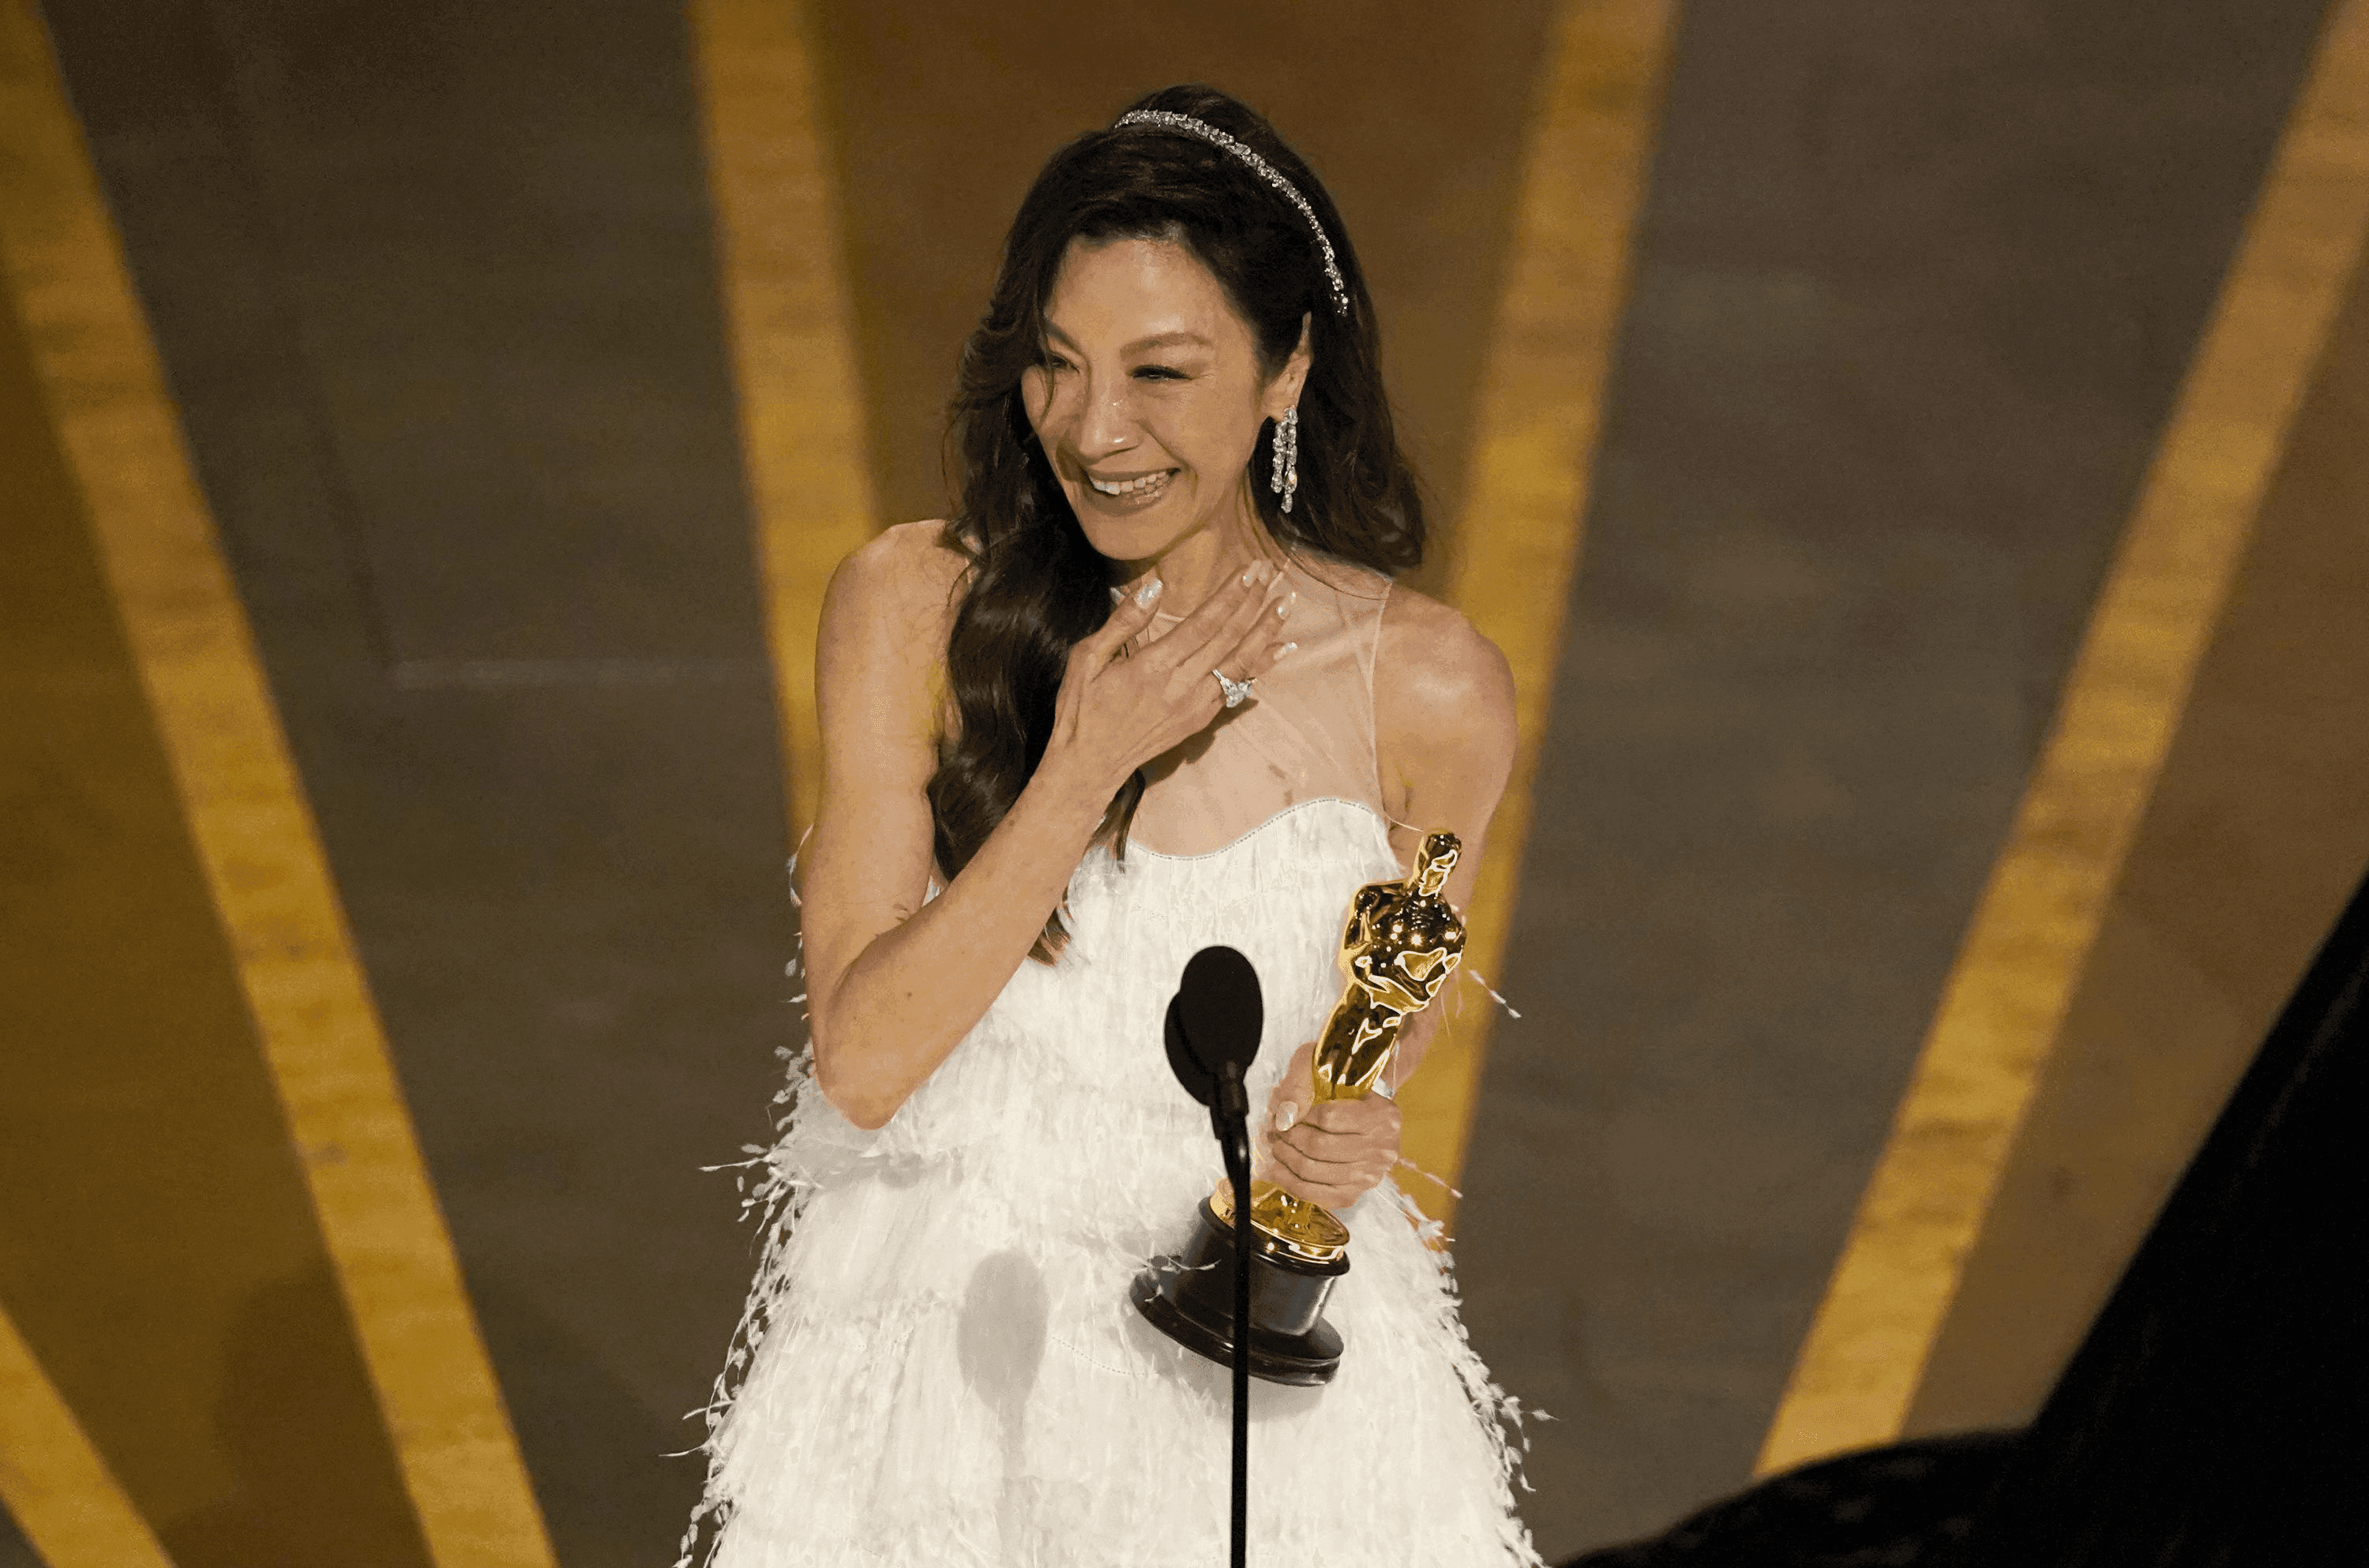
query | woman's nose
[1106, 424]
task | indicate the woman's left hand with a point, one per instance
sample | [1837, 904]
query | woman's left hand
[1332, 1154]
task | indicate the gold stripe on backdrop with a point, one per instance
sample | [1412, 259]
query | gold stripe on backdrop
[789, 317]
[1541, 409]
[56, 1487]
[2005, 1001]
[253, 830]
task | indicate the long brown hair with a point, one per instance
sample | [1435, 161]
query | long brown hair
[1035, 587]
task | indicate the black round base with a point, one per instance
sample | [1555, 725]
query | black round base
[1190, 1299]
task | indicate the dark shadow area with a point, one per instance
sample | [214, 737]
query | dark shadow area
[2210, 1417]
[1902, 1506]
[297, 1504]
[16, 1552]
[610, 1496]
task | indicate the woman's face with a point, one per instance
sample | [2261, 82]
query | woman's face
[1150, 399]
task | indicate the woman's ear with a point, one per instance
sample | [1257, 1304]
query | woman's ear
[1283, 392]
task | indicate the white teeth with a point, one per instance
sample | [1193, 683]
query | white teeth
[1138, 487]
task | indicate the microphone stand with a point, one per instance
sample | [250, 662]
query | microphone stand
[1230, 1118]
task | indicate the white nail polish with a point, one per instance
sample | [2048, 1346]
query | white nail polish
[1285, 651]
[1285, 1117]
[1148, 592]
[1118, 596]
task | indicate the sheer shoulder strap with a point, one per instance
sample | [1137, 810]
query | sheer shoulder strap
[1373, 721]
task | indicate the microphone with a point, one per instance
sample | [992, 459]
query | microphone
[1213, 1028]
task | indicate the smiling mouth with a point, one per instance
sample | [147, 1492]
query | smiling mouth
[1134, 488]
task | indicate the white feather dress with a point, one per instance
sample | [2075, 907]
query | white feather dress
[940, 1365]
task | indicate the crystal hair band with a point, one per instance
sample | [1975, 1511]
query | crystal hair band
[1184, 124]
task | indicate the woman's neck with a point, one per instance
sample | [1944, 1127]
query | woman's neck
[1201, 562]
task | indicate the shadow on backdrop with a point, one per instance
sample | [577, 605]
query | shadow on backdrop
[286, 1444]
[597, 1451]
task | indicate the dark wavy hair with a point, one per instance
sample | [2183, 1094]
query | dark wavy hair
[1035, 588]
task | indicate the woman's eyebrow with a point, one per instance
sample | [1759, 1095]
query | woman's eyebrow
[1157, 341]
[1166, 340]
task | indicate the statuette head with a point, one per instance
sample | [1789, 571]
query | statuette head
[1437, 857]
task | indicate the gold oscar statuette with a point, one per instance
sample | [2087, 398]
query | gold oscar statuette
[1400, 942]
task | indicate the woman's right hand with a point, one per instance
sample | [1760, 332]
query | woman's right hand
[1115, 714]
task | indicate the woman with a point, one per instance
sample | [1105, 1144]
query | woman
[1151, 690]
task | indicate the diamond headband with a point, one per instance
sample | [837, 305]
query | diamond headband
[1184, 124]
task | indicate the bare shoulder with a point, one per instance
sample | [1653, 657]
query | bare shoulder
[1443, 724]
[880, 652]
[906, 574]
[1435, 673]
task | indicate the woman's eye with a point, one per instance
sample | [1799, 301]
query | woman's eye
[1158, 373]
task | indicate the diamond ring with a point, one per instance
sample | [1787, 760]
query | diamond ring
[1235, 689]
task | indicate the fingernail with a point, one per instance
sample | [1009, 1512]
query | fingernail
[1118, 596]
[1148, 592]
[1249, 577]
[1283, 606]
[1285, 1117]
[1285, 651]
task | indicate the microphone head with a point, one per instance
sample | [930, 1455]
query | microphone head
[1183, 1063]
[1220, 1010]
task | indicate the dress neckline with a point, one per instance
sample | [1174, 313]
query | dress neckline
[1375, 814]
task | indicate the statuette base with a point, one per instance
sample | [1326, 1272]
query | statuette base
[1190, 1297]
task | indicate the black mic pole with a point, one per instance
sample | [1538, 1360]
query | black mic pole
[1212, 1035]
[1231, 1112]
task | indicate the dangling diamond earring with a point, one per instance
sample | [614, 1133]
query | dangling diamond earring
[1286, 477]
